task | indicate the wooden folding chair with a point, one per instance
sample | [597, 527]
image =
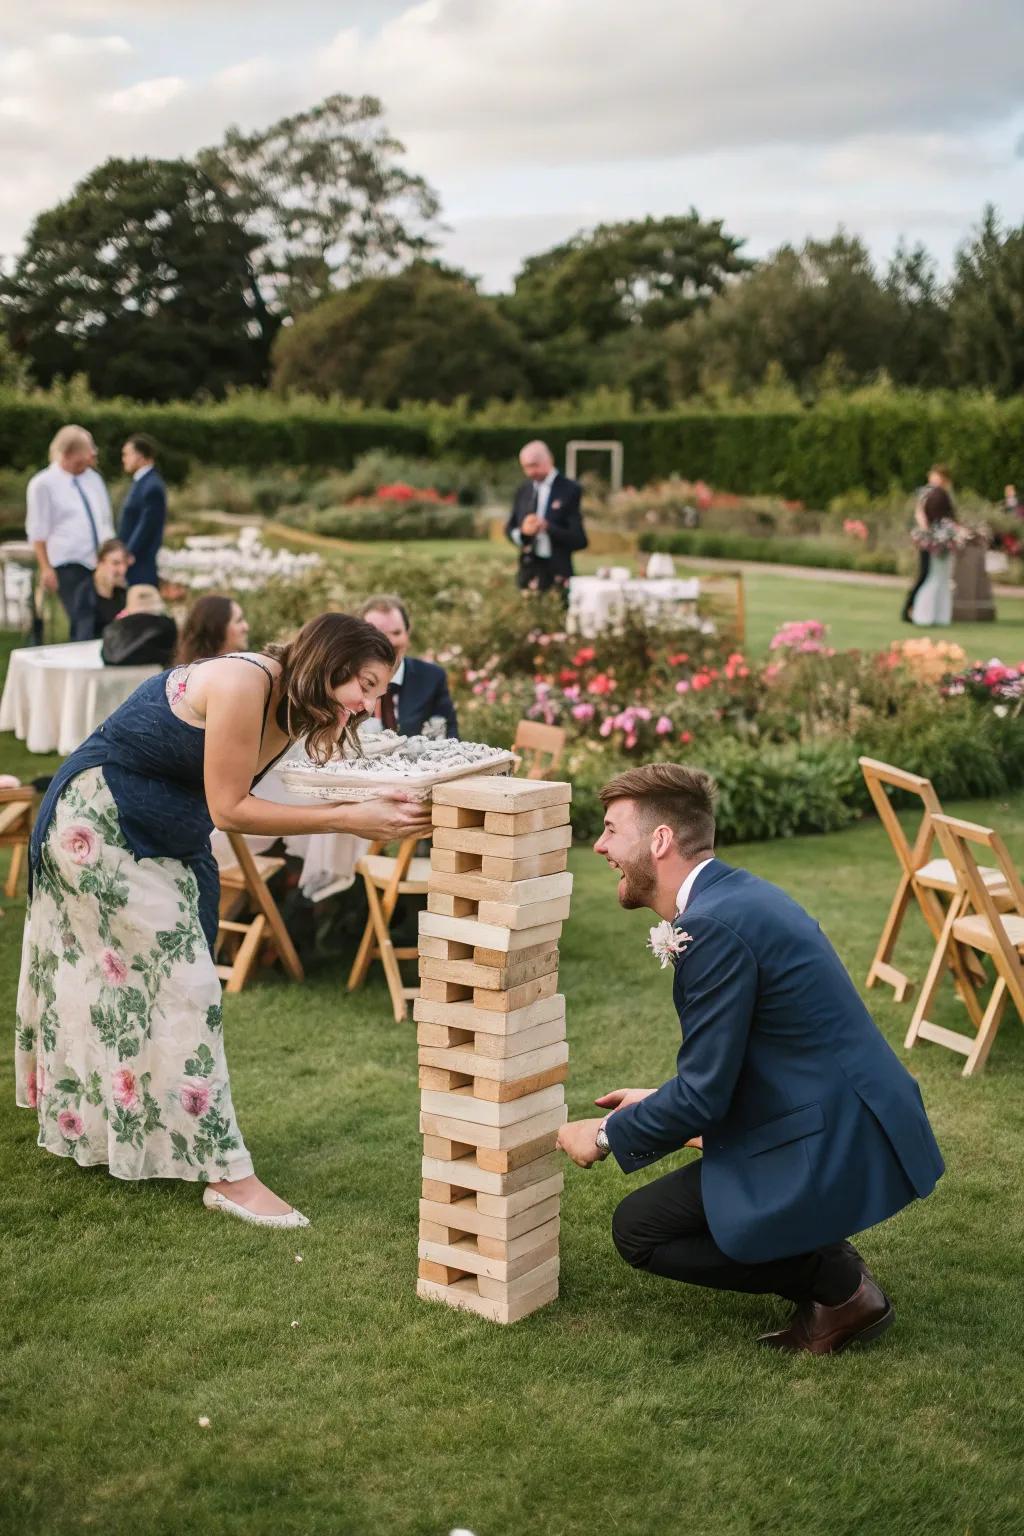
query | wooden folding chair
[540, 746]
[922, 877]
[18, 808]
[385, 880]
[248, 877]
[986, 930]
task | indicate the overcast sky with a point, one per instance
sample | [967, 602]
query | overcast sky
[534, 118]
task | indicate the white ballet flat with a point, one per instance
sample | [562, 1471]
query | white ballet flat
[215, 1201]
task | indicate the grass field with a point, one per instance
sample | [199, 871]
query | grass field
[630, 1406]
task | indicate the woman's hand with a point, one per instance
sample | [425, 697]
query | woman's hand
[392, 815]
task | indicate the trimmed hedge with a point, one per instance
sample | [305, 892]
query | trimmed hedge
[811, 455]
[392, 522]
[768, 550]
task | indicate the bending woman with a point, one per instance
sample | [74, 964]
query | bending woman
[119, 1041]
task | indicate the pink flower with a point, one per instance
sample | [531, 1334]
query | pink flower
[80, 843]
[126, 1092]
[195, 1098]
[113, 967]
[70, 1125]
[583, 712]
[32, 1090]
[682, 686]
[630, 740]
[664, 725]
[605, 728]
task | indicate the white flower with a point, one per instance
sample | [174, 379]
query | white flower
[668, 943]
[203, 1421]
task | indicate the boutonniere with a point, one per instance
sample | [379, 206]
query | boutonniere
[667, 943]
[555, 506]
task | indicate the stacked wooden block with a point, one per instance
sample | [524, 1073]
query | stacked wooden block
[492, 1050]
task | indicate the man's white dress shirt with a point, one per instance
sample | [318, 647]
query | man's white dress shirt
[542, 541]
[683, 894]
[56, 515]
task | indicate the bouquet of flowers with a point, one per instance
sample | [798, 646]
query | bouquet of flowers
[941, 538]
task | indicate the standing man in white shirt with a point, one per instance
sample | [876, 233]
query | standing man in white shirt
[68, 515]
[545, 522]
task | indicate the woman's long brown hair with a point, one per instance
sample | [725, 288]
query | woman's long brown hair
[327, 651]
[206, 626]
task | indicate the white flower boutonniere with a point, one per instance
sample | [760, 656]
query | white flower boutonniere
[668, 943]
[555, 506]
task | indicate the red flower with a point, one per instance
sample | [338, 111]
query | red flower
[678, 659]
[685, 737]
[585, 654]
[602, 683]
[567, 675]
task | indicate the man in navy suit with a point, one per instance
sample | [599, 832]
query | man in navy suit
[418, 691]
[811, 1128]
[144, 512]
[545, 522]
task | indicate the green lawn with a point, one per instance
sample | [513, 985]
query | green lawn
[631, 1405]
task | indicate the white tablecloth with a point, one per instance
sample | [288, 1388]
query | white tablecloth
[329, 858]
[56, 695]
[600, 602]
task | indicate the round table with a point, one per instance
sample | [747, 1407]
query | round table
[56, 695]
[600, 602]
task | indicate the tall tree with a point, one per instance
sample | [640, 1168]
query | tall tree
[326, 199]
[647, 272]
[916, 353]
[422, 334]
[986, 311]
[142, 279]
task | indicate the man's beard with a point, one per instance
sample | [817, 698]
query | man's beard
[637, 882]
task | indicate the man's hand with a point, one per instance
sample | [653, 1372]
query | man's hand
[531, 525]
[578, 1140]
[48, 577]
[620, 1097]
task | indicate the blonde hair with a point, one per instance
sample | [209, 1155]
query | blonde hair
[143, 599]
[67, 440]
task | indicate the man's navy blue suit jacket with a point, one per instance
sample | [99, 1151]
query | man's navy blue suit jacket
[812, 1128]
[141, 527]
[423, 694]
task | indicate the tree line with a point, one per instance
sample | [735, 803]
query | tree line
[302, 258]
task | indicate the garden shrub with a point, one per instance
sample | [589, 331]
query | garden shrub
[376, 521]
[769, 550]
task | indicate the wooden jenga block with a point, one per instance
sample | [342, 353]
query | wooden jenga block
[519, 823]
[507, 1046]
[520, 1200]
[447, 1151]
[464, 1016]
[508, 1159]
[515, 893]
[497, 959]
[538, 1132]
[465, 1172]
[505, 1092]
[504, 915]
[442, 1036]
[442, 1079]
[441, 1193]
[439, 1274]
[445, 861]
[465, 1296]
[444, 949]
[450, 906]
[513, 1290]
[476, 840]
[493, 868]
[501, 1069]
[514, 796]
[465, 1254]
[468, 930]
[456, 816]
[516, 997]
[511, 1249]
[438, 1233]
[514, 973]
[464, 1216]
[444, 991]
[459, 1104]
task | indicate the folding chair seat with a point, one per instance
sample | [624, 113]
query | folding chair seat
[18, 808]
[922, 878]
[385, 880]
[986, 930]
[247, 878]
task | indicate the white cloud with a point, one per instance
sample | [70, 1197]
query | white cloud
[145, 96]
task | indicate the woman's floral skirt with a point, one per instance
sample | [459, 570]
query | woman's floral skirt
[119, 1046]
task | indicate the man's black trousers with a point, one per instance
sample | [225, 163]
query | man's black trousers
[662, 1228]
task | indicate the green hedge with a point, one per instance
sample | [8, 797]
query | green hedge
[421, 520]
[768, 550]
[810, 455]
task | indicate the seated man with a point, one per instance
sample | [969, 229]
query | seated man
[98, 600]
[811, 1128]
[419, 689]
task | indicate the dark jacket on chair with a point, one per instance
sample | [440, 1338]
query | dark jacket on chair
[812, 1128]
[141, 528]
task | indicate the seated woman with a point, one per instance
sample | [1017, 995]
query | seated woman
[142, 634]
[100, 599]
[215, 626]
[120, 1041]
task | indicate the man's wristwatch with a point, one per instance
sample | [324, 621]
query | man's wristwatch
[602, 1139]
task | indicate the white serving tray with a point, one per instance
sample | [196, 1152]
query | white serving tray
[337, 785]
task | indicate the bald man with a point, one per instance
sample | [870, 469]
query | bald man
[545, 522]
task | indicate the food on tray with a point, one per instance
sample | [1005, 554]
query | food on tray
[418, 763]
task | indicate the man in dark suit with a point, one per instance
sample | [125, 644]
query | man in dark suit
[144, 512]
[545, 522]
[811, 1128]
[418, 691]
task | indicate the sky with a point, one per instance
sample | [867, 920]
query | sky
[536, 118]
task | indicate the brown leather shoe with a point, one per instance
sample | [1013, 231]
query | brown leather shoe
[827, 1330]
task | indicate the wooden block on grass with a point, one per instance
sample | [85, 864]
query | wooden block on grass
[464, 1216]
[439, 1274]
[455, 816]
[464, 1296]
[520, 1200]
[521, 823]
[460, 1104]
[514, 1248]
[465, 1172]
[536, 1135]
[493, 868]
[465, 1255]
[484, 793]
[507, 1160]
[513, 1290]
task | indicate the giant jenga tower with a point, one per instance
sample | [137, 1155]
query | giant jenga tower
[492, 1049]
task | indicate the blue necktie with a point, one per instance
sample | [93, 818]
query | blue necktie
[88, 513]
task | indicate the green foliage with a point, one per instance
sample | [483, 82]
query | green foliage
[771, 551]
[325, 197]
[986, 312]
[381, 521]
[424, 334]
[151, 276]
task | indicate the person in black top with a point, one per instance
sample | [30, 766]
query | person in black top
[99, 600]
[142, 634]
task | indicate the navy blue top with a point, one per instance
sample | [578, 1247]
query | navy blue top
[153, 764]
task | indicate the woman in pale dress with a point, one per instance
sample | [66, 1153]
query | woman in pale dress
[933, 600]
[119, 1037]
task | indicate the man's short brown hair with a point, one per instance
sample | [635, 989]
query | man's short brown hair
[672, 795]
